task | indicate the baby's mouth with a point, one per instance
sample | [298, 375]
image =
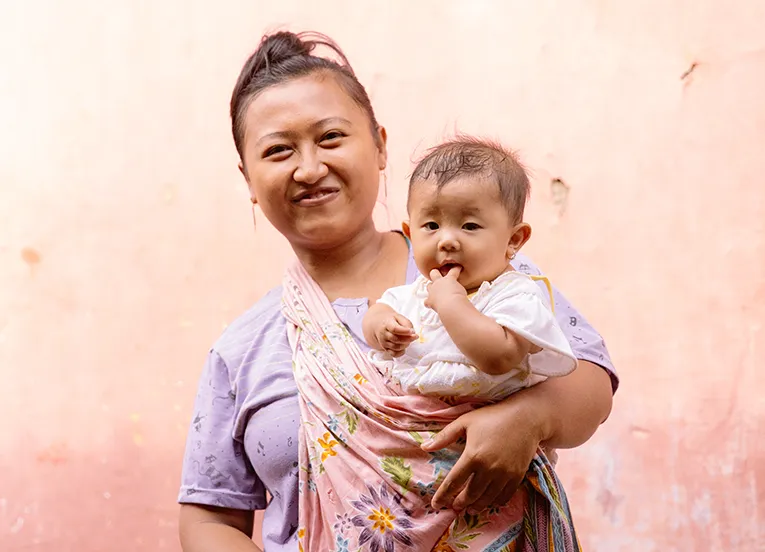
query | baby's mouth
[446, 267]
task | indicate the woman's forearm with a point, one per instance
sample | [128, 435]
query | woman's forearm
[575, 405]
[204, 529]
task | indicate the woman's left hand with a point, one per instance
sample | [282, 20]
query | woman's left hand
[495, 459]
[501, 439]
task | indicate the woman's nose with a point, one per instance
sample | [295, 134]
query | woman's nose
[310, 169]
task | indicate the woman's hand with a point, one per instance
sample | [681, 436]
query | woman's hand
[501, 439]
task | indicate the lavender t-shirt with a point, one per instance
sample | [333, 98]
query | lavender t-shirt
[243, 438]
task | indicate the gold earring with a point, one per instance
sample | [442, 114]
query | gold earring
[254, 220]
[384, 201]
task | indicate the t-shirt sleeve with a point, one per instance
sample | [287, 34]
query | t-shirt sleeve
[585, 341]
[517, 304]
[395, 297]
[216, 471]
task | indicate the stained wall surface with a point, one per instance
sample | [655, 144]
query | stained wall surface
[126, 239]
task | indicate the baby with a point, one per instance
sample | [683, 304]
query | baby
[470, 328]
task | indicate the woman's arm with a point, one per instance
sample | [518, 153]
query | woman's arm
[212, 529]
[215, 471]
[578, 403]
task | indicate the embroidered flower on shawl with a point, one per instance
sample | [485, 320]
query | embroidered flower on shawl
[383, 520]
[328, 444]
[341, 543]
[301, 536]
[361, 380]
[426, 490]
[342, 524]
[333, 425]
[443, 460]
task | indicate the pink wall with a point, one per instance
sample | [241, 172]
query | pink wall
[126, 242]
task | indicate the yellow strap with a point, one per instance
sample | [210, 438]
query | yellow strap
[548, 285]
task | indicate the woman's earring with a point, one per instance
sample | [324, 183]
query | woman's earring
[254, 220]
[385, 197]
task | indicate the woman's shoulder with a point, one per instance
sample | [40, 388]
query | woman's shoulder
[259, 329]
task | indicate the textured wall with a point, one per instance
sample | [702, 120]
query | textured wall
[126, 241]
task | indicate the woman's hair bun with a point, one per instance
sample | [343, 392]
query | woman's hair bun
[279, 47]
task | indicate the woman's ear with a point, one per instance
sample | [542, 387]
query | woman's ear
[382, 147]
[406, 230]
[242, 170]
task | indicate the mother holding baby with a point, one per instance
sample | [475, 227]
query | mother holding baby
[293, 366]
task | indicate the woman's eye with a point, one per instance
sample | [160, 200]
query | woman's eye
[430, 226]
[332, 136]
[275, 150]
[470, 226]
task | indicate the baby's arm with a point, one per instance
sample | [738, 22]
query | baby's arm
[491, 348]
[386, 330]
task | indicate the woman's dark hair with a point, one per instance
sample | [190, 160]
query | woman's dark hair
[470, 156]
[284, 56]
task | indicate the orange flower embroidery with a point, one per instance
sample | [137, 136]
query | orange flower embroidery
[300, 534]
[327, 443]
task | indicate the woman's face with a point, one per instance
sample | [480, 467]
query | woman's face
[312, 162]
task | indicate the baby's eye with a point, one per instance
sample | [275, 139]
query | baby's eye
[430, 226]
[470, 226]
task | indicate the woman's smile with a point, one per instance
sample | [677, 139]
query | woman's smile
[316, 196]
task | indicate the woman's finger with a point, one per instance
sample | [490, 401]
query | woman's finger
[507, 493]
[453, 483]
[446, 436]
[435, 274]
[477, 486]
[497, 493]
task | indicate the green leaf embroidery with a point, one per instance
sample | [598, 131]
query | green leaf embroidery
[417, 437]
[400, 472]
[351, 420]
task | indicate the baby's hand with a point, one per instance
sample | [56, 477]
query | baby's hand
[394, 334]
[443, 288]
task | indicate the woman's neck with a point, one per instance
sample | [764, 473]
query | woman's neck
[364, 266]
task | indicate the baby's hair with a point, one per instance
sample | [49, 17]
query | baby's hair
[466, 155]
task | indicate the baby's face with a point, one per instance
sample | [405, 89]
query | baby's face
[463, 224]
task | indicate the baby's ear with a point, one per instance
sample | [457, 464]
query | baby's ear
[405, 228]
[520, 235]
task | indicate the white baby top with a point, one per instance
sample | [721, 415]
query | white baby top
[433, 365]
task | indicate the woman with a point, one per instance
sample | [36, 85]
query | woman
[311, 152]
